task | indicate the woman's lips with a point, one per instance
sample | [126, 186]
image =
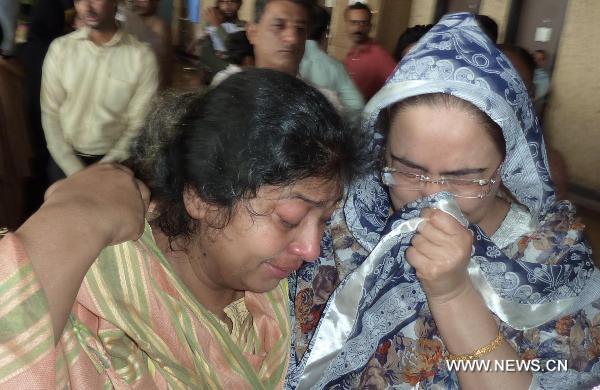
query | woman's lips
[281, 272]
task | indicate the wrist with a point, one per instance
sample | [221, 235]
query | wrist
[459, 295]
[77, 215]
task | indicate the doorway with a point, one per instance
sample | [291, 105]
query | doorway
[537, 25]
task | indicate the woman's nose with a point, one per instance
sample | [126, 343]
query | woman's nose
[307, 243]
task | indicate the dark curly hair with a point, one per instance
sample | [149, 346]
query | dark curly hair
[259, 127]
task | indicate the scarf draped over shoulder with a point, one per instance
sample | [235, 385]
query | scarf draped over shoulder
[360, 315]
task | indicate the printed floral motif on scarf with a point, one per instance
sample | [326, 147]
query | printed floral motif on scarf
[394, 341]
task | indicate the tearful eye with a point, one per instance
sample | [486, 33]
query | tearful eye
[288, 225]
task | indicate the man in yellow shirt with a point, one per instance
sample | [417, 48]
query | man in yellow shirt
[97, 83]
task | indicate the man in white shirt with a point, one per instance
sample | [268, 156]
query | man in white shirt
[223, 20]
[218, 23]
[97, 83]
[320, 69]
[278, 35]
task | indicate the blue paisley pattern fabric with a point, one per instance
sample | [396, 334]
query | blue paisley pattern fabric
[394, 342]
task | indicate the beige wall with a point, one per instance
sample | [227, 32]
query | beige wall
[422, 12]
[393, 20]
[338, 40]
[573, 114]
[247, 11]
[499, 11]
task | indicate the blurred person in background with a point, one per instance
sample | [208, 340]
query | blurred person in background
[541, 80]
[367, 62]
[9, 13]
[16, 155]
[278, 35]
[409, 38]
[212, 32]
[489, 26]
[240, 55]
[47, 21]
[151, 29]
[97, 83]
[223, 20]
[320, 69]
[525, 64]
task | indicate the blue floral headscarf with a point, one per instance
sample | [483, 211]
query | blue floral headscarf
[377, 319]
[456, 58]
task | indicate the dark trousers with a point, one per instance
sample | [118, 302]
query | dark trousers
[56, 174]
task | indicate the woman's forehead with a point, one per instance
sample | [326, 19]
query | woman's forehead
[316, 192]
[454, 123]
[446, 121]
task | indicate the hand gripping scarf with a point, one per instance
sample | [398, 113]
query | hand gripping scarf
[375, 329]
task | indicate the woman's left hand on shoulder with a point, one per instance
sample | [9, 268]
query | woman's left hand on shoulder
[440, 252]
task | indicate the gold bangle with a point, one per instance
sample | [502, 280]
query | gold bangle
[478, 352]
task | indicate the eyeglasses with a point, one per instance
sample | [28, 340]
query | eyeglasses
[461, 188]
[360, 22]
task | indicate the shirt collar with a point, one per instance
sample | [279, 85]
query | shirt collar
[84, 34]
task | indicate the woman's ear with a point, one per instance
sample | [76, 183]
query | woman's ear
[199, 210]
[194, 205]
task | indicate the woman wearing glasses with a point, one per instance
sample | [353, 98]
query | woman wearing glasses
[455, 253]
